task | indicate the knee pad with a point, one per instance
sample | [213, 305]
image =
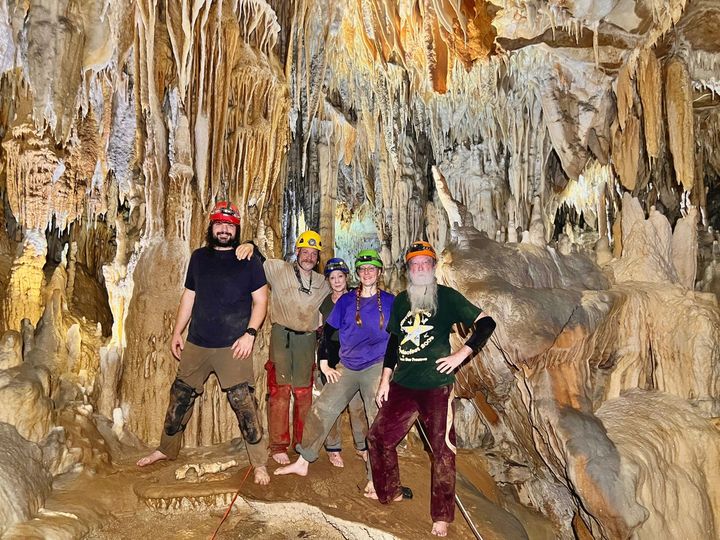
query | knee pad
[243, 403]
[182, 397]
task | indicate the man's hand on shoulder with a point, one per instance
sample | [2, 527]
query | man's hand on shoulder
[243, 346]
[245, 251]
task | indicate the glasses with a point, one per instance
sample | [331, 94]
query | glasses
[367, 269]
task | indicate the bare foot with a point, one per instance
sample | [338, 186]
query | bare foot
[261, 476]
[300, 467]
[151, 458]
[363, 454]
[336, 459]
[371, 494]
[281, 458]
[440, 528]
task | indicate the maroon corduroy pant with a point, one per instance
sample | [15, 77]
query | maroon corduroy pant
[434, 408]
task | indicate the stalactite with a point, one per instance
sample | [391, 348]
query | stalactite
[678, 103]
[650, 89]
[626, 149]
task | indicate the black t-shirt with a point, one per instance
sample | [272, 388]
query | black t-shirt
[223, 301]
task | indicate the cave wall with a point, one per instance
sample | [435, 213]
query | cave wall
[576, 141]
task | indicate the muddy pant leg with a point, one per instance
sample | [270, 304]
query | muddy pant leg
[358, 422]
[436, 415]
[333, 398]
[393, 421]
[369, 379]
[302, 364]
[301, 407]
[258, 453]
[333, 443]
[171, 439]
[278, 411]
[193, 369]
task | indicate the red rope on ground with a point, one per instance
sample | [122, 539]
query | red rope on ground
[227, 512]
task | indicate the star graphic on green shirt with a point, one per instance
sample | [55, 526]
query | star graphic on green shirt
[415, 330]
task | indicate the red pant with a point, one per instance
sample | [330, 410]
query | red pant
[434, 407]
[278, 410]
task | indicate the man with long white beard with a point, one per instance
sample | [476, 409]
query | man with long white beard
[419, 359]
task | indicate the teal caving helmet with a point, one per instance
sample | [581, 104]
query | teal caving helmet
[336, 263]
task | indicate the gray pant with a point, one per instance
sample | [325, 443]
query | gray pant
[358, 425]
[332, 400]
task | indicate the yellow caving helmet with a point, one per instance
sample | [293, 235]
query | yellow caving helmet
[309, 239]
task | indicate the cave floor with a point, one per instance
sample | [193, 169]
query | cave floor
[130, 503]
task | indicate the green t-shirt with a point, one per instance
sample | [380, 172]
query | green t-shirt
[424, 338]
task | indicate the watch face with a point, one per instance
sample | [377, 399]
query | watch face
[251, 331]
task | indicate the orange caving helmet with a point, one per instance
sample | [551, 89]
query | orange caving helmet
[225, 212]
[420, 247]
[309, 239]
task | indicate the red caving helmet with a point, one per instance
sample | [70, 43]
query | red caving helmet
[225, 212]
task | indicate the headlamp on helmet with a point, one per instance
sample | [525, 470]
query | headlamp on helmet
[420, 247]
[225, 212]
[336, 264]
[368, 256]
[309, 239]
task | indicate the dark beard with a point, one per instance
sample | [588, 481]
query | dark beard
[212, 242]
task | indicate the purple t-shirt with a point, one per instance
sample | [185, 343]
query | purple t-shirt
[361, 346]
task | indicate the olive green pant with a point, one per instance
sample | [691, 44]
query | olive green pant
[196, 364]
[293, 354]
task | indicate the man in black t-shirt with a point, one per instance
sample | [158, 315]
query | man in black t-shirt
[225, 302]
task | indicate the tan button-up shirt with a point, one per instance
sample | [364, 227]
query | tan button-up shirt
[288, 305]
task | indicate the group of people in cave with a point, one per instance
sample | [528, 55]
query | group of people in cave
[387, 358]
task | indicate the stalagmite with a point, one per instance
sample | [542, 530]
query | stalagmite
[23, 297]
[684, 248]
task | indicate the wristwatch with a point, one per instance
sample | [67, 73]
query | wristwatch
[250, 330]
